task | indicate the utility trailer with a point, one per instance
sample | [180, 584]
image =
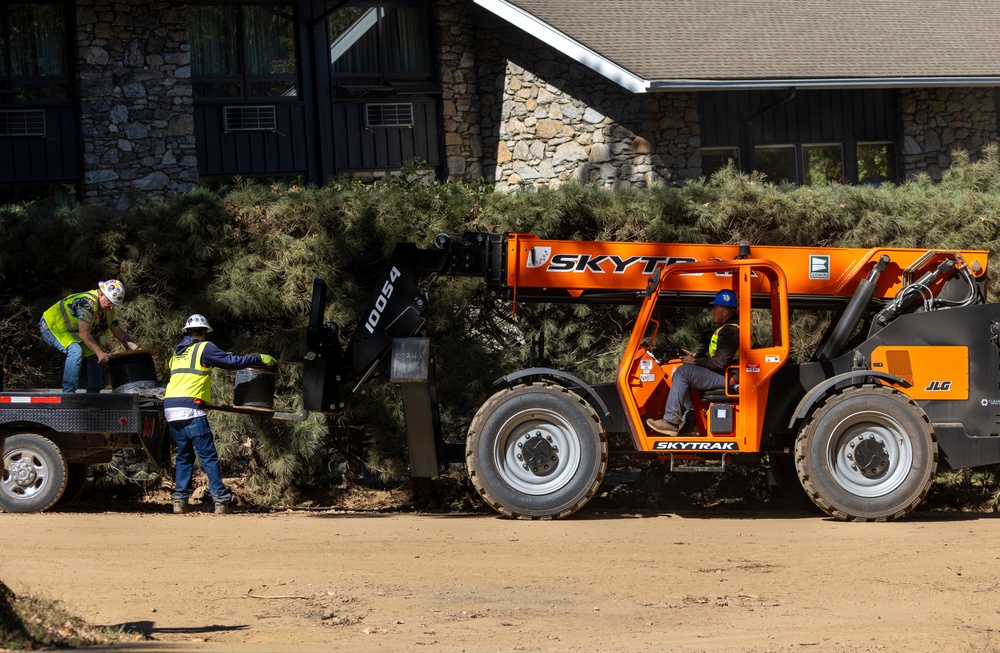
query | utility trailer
[50, 438]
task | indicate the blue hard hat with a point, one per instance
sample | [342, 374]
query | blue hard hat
[725, 298]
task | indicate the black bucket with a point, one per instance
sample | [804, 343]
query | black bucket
[133, 371]
[254, 388]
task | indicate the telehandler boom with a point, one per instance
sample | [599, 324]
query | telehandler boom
[905, 382]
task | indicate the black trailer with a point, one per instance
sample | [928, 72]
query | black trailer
[49, 438]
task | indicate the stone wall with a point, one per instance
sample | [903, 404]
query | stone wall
[460, 96]
[937, 121]
[136, 111]
[545, 119]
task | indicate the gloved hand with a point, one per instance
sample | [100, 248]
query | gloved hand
[267, 360]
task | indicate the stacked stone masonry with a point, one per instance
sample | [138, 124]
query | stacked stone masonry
[136, 112]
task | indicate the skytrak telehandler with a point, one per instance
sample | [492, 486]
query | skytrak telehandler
[906, 380]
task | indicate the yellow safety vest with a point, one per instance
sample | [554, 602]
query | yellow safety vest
[66, 327]
[188, 377]
[714, 344]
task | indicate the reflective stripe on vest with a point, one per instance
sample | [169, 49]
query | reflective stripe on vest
[714, 344]
[66, 327]
[188, 377]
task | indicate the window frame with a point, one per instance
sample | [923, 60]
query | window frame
[244, 79]
[383, 80]
[11, 84]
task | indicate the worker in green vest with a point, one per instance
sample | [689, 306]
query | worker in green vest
[705, 371]
[184, 400]
[78, 326]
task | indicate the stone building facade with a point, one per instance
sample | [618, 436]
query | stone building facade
[546, 119]
[513, 111]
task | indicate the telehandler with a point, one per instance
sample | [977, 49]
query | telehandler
[905, 382]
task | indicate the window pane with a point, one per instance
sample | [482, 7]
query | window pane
[270, 40]
[876, 163]
[37, 40]
[776, 162]
[354, 40]
[714, 159]
[214, 45]
[407, 46]
[823, 164]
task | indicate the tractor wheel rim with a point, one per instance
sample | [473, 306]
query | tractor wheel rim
[537, 452]
[870, 454]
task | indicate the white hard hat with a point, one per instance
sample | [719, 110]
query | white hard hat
[197, 321]
[113, 290]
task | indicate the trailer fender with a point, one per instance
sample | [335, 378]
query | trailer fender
[564, 379]
[854, 377]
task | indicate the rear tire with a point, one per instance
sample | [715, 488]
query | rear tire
[34, 473]
[867, 454]
[536, 452]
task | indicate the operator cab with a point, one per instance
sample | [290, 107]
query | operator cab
[726, 420]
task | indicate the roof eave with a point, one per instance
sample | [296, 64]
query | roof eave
[817, 83]
[564, 44]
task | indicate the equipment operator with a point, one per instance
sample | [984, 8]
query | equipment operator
[704, 371]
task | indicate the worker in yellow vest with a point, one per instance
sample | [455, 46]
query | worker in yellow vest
[187, 392]
[78, 326]
[705, 371]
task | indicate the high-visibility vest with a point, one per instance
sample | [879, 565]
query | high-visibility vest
[714, 344]
[66, 327]
[188, 377]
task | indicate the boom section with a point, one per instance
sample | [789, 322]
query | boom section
[616, 272]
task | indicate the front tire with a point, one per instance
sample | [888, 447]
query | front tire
[867, 454]
[34, 473]
[536, 451]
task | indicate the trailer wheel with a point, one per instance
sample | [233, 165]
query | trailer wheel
[867, 454]
[536, 451]
[34, 473]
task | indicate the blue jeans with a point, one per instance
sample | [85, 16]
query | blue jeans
[685, 378]
[74, 361]
[194, 436]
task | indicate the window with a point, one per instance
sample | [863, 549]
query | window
[777, 162]
[372, 45]
[243, 51]
[822, 164]
[714, 159]
[806, 136]
[876, 163]
[33, 53]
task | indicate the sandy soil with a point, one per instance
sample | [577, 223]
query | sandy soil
[705, 581]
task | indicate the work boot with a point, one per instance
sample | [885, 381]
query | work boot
[181, 506]
[223, 508]
[662, 426]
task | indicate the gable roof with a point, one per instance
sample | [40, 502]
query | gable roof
[727, 44]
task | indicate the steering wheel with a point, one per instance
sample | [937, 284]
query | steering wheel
[672, 350]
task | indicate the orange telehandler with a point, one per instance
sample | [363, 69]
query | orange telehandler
[905, 381]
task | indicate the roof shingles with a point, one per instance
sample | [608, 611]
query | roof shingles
[664, 40]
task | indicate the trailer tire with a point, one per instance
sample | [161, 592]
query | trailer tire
[76, 478]
[34, 473]
[867, 454]
[536, 451]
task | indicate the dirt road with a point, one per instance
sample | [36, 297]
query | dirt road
[707, 581]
